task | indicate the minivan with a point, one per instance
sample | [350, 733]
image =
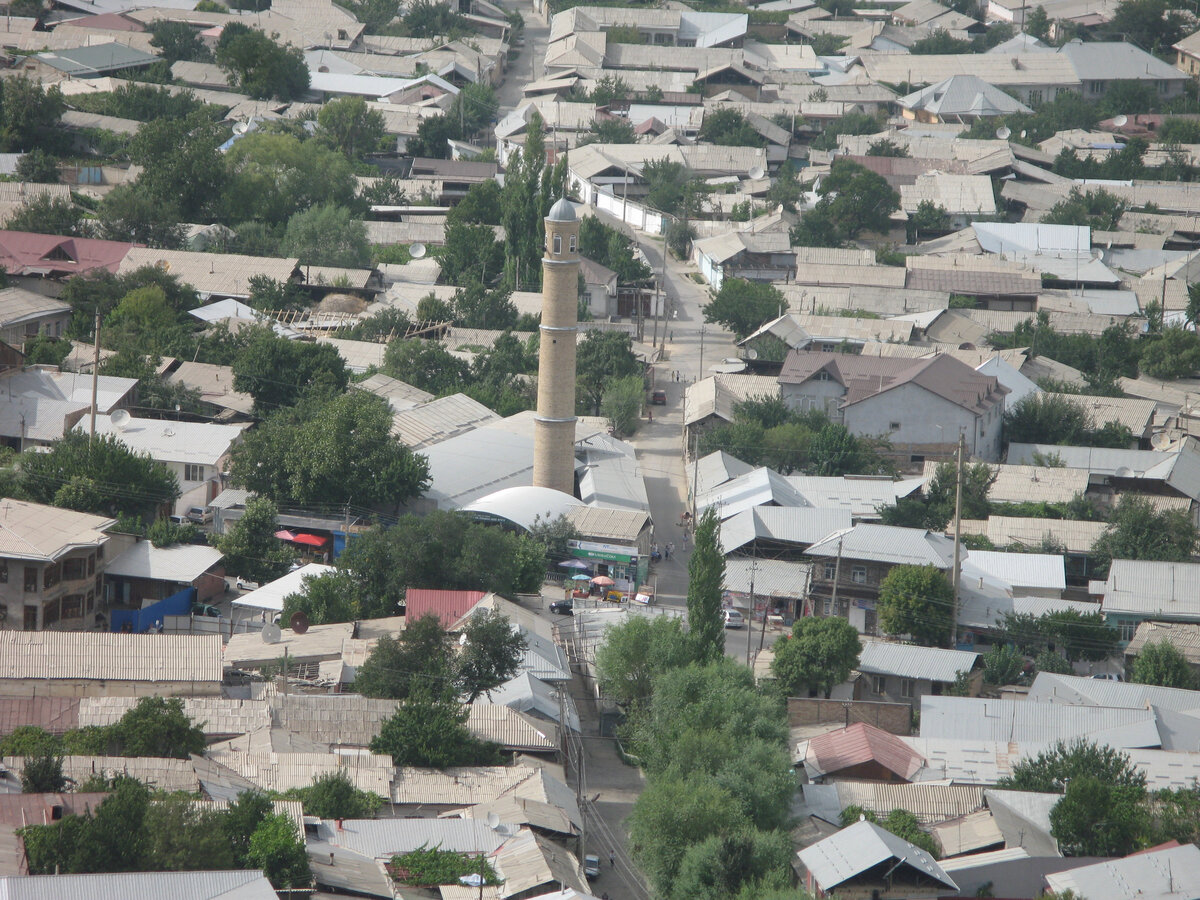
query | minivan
[200, 515]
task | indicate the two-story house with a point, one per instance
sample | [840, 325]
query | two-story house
[51, 563]
[197, 452]
[921, 406]
[852, 563]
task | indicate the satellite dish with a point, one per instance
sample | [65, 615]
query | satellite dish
[417, 251]
[168, 432]
[1004, 132]
[462, 639]
[241, 127]
[1124, 472]
[1121, 121]
[492, 820]
[1023, 133]
[1160, 441]
[758, 172]
[271, 634]
[120, 419]
[298, 622]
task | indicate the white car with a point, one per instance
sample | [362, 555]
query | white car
[734, 619]
[591, 866]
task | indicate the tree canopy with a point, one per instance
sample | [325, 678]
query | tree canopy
[742, 306]
[706, 579]
[819, 654]
[1136, 530]
[259, 66]
[917, 600]
[250, 547]
[853, 200]
[1161, 663]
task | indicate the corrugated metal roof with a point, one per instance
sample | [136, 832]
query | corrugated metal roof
[34, 531]
[284, 771]
[1075, 536]
[379, 838]
[529, 861]
[53, 714]
[1166, 874]
[456, 786]
[216, 715]
[788, 524]
[759, 487]
[1044, 571]
[240, 884]
[619, 525]
[967, 833]
[930, 803]
[1017, 483]
[212, 274]
[1075, 690]
[858, 849]
[909, 661]
[440, 419]
[967, 718]
[162, 774]
[100, 656]
[860, 743]
[271, 595]
[1152, 589]
[888, 544]
[182, 563]
[962, 863]
[1183, 637]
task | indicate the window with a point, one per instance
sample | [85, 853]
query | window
[572, 243]
[192, 472]
[1164, 86]
[51, 575]
[91, 601]
[31, 579]
[894, 426]
[907, 688]
[858, 574]
[1035, 97]
[75, 568]
[1127, 630]
[916, 458]
[878, 684]
[1097, 87]
[4, 571]
[72, 606]
[828, 607]
[92, 564]
[557, 244]
[830, 571]
[50, 613]
[822, 376]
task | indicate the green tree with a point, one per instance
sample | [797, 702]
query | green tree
[350, 127]
[611, 131]
[1095, 818]
[327, 235]
[30, 115]
[1086, 636]
[1047, 419]
[432, 137]
[919, 601]
[1099, 209]
[706, 578]
[621, 404]
[182, 167]
[886, 147]
[480, 206]
[1162, 664]
[419, 660]
[474, 106]
[899, 822]
[259, 66]
[338, 452]
[722, 863]
[331, 597]
[277, 372]
[1049, 661]
[43, 774]
[1002, 665]
[427, 365]
[602, 357]
[128, 214]
[1051, 770]
[1136, 530]
[274, 176]
[490, 654]
[38, 166]
[939, 42]
[637, 650]
[476, 307]
[1153, 25]
[853, 200]
[242, 817]
[429, 730]
[1037, 23]
[181, 836]
[818, 655]
[278, 850]
[728, 127]
[430, 19]
[835, 451]
[44, 214]
[178, 40]
[742, 306]
[100, 476]
[250, 547]
[1173, 353]
[332, 795]
[158, 726]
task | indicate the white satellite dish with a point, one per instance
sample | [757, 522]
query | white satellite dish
[1024, 133]
[758, 172]
[1124, 472]
[1121, 121]
[120, 419]
[241, 127]
[417, 251]
[1160, 441]
[168, 432]
[1004, 132]
[492, 820]
[271, 633]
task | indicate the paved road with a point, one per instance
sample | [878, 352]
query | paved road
[528, 66]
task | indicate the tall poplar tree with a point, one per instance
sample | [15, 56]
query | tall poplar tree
[706, 579]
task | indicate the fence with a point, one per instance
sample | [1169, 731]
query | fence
[142, 620]
[631, 213]
[893, 717]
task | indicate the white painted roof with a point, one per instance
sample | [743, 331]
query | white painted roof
[1169, 874]
[271, 596]
[167, 441]
[1021, 570]
[909, 661]
[1152, 589]
[861, 847]
[965, 718]
[182, 563]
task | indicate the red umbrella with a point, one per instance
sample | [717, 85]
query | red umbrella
[602, 580]
[285, 535]
[310, 540]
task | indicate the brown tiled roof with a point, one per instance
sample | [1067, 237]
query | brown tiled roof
[898, 170]
[862, 743]
[969, 281]
[449, 606]
[53, 714]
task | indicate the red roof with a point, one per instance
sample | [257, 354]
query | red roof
[37, 808]
[26, 253]
[859, 744]
[53, 714]
[448, 606]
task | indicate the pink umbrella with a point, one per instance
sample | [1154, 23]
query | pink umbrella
[602, 580]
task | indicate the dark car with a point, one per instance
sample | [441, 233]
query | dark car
[658, 398]
[563, 607]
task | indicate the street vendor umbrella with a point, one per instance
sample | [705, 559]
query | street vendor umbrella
[285, 535]
[602, 580]
[574, 564]
[310, 540]
[581, 577]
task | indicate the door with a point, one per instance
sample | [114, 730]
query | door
[31, 618]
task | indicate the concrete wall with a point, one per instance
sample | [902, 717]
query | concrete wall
[892, 717]
[45, 603]
[814, 394]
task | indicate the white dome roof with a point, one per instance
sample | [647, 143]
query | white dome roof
[521, 505]
[562, 211]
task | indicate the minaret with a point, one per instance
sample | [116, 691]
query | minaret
[554, 424]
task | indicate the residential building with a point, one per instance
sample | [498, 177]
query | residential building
[1184, 637]
[25, 314]
[28, 255]
[1140, 590]
[196, 453]
[755, 255]
[1155, 874]
[215, 275]
[852, 563]
[600, 288]
[865, 860]
[959, 98]
[43, 405]
[859, 752]
[921, 406]
[235, 884]
[145, 573]
[903, 673]
[88, 62]
[51, 565]
[1187, 55]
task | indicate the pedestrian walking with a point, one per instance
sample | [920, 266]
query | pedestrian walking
[612, 859]
[649, 415]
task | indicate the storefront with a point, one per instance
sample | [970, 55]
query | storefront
[622, 564]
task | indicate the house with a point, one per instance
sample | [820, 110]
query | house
[28, 255]
[959, 98]
[95, 663]
[853, 562]
[865, 860]
[146, 573]
[1100, 65]
[964, 198]
[1187, 55]
[214, 275]
[43, 405]
[26, 314]
[1033, 722]
[448, 606]
[780, 532]
[1141, 590]
[215, 384]
[1028, 574]
[1155, 874]
[758, 256]
[904, 673]
[269, 597]
[1184, 637]
[236, 884]
[921, 406]
[51, 564]
[18, 810]
[600, 288]
[859, 752]
[1075, 690]
[197, 453]
[89, 62]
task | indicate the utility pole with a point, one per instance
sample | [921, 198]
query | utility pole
[701, 373]
[695, 473]
[837, 576]
[750, 624]
[95, 375]
[962, 445]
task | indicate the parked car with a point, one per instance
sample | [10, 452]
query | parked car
[734, 619]
[563, 607]
[204, 609]
[591, 866]
[243, 585]
[1108, 676]
[200, 515]
[658, 398]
